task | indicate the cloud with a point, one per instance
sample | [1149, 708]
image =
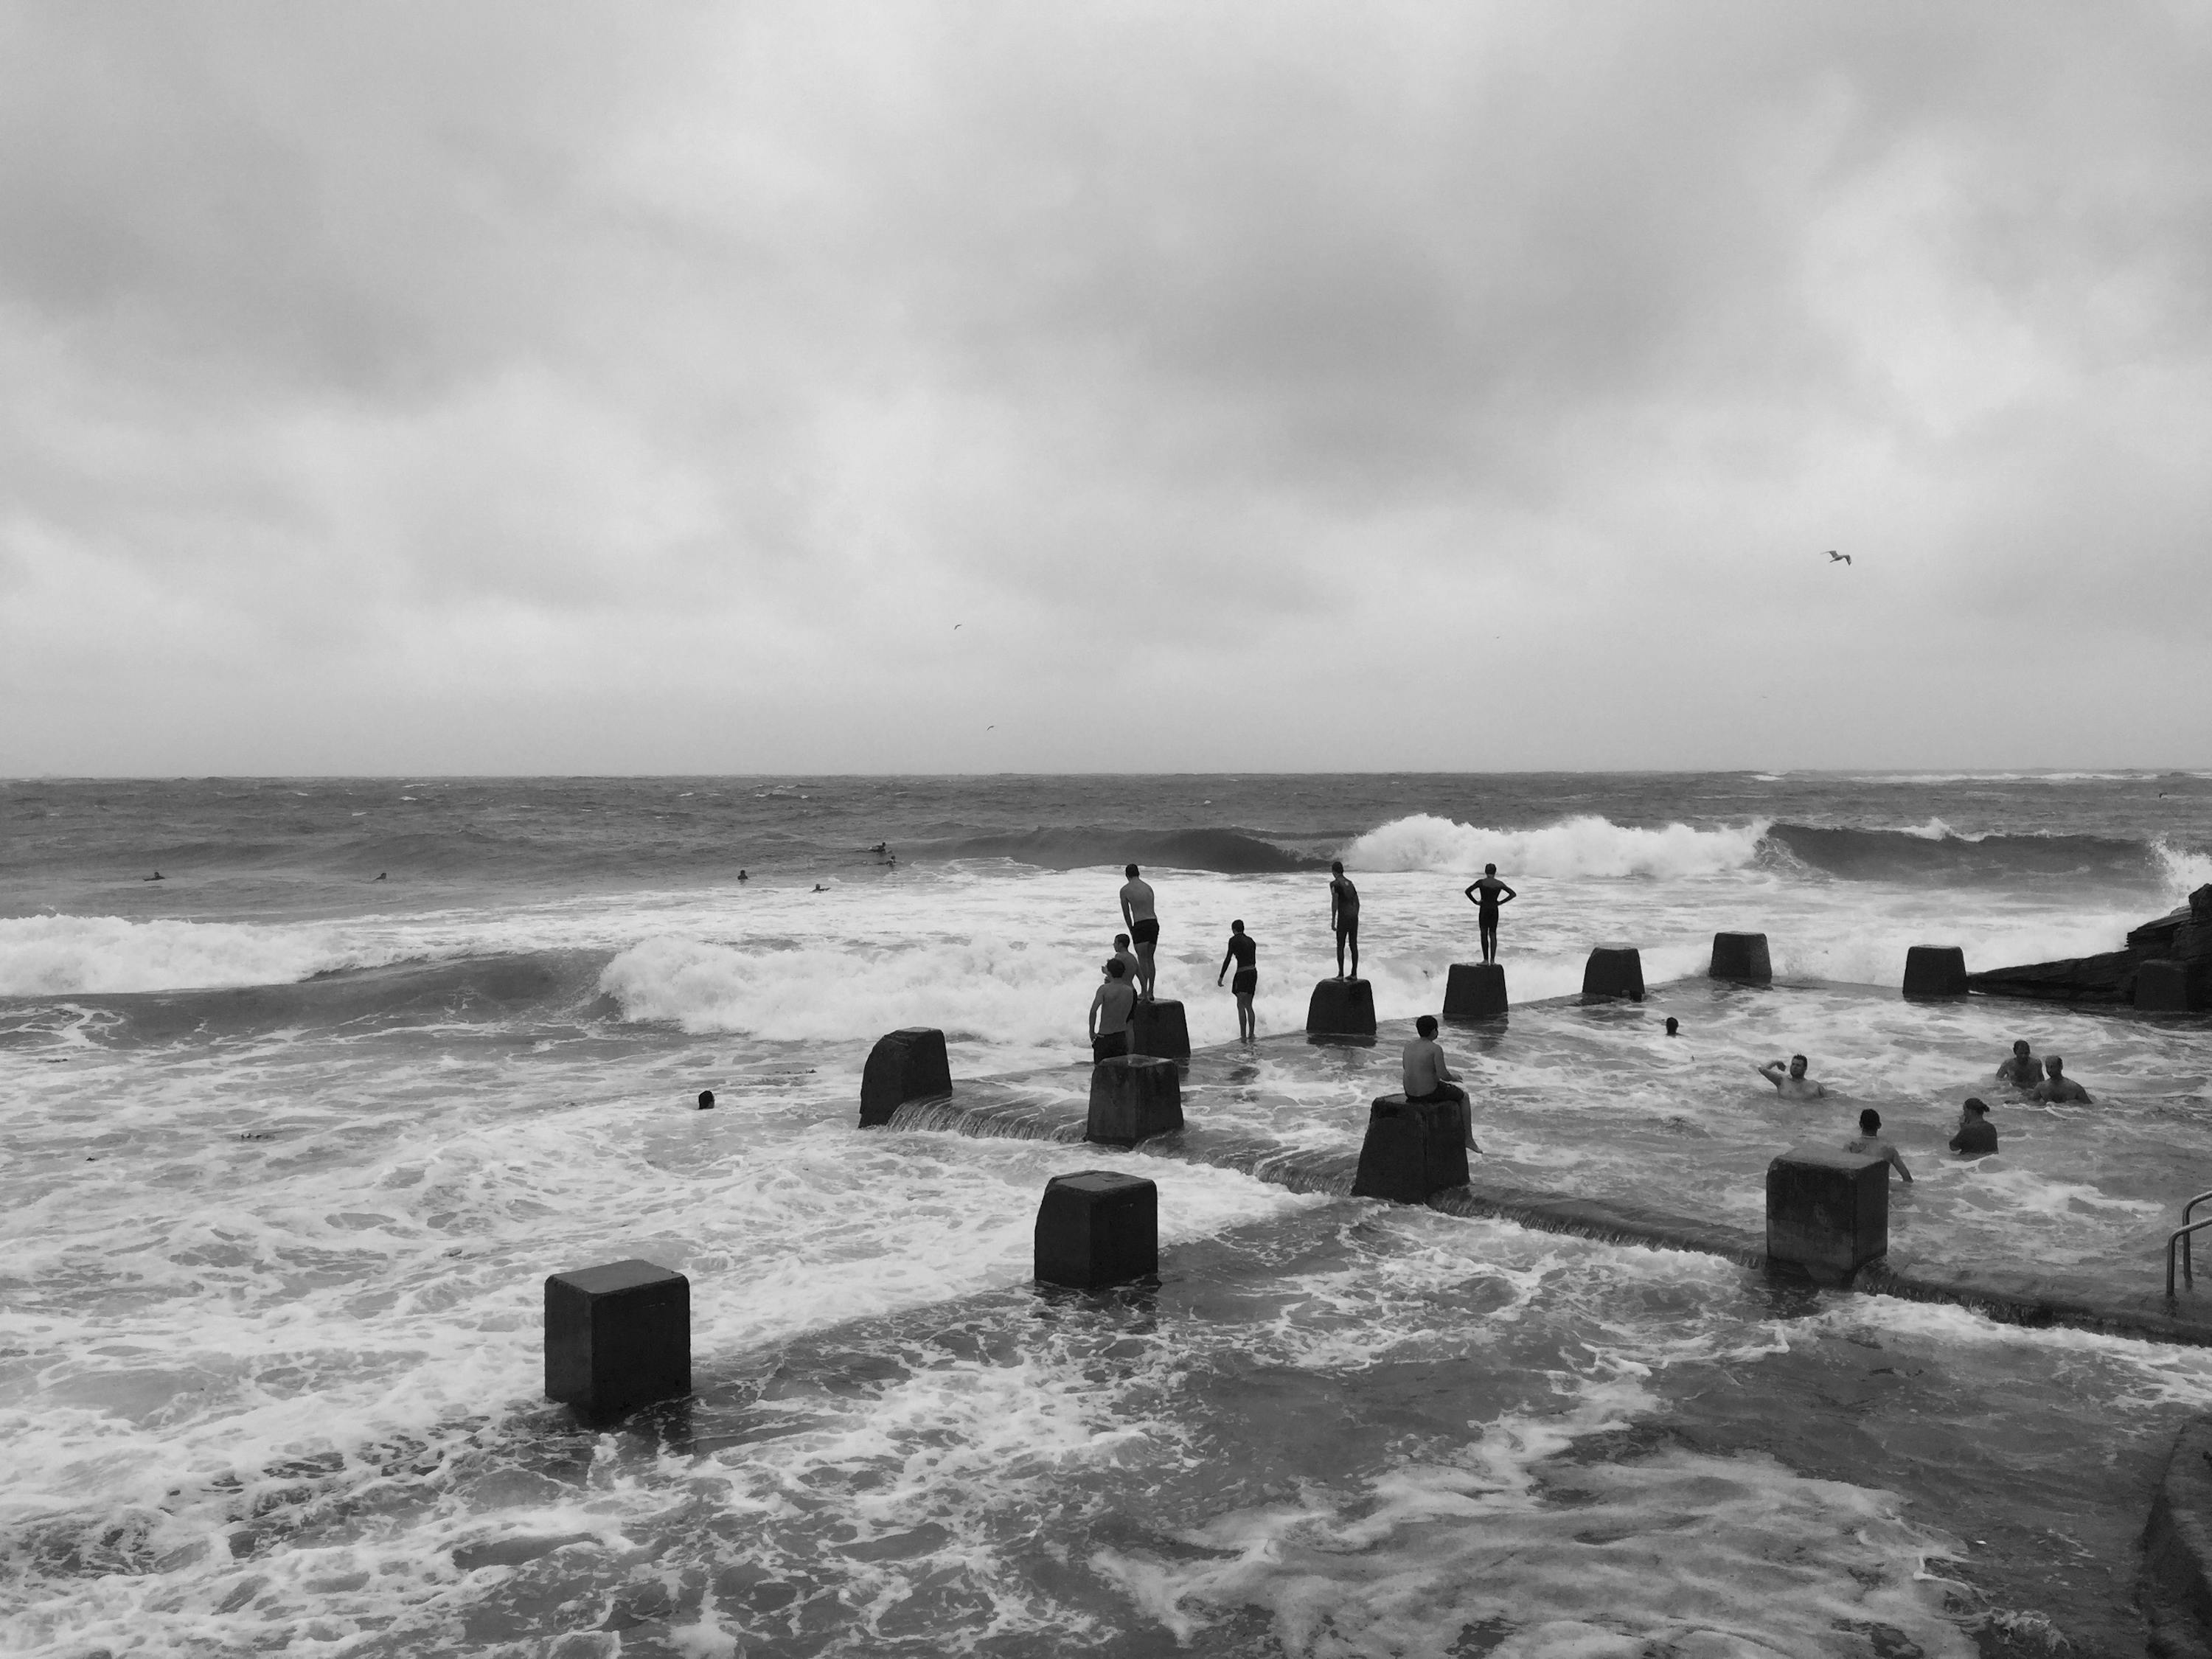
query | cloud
[543, 386]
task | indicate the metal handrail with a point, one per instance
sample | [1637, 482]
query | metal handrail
[2180, 1236]
[2188, 1262]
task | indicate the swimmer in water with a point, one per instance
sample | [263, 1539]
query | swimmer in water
[1673, 1026]
[156, 876]
[1794, 1085]
[743, 877]
[381, 874]
[2023, 1070]
[2059, 1088]
[1869, 1142]
[819, 888]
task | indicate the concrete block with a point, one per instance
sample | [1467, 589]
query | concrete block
[1827, 1211]
[1098, 1228]
[1411, 1151]
[1341, 1007]
[2173, 987]
[1615, 970]
[908, 1065]
[1475, 990]
[1934, 970]
[1742, 957]
[617, 1337]
[1132, 1098]
[1158, 1029]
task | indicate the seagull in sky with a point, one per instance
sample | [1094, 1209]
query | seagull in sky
[1835, 557]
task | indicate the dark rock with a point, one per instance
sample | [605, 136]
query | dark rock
[907, 1065]
[2174, 986]
[1475, 990]
[1158, 1028]
[1341, 1007]
[2106, 978]
[1098, 1228]
[2182, 935]
[1132, 1098]
[1412, 1149]
[617, 1337]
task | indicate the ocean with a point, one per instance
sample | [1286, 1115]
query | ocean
[296, 1132]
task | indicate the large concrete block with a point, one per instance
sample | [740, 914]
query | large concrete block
[1615, 970]
[2173, 987]
[1132, 1098]
[1341, 1007]
[1742, 957]
[1412, 1150]
[1827, 1211]
[1475, 990]
[908, 1065]
[617, 1337]
[1158, 1029]
[1098, 1228]
[1934, 970]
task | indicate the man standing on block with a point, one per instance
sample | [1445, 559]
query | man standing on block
[1486, 893]
[1428, 1078]
[1109, 1015]
[1344, 916]
[1244, 952]
[1794, 1084]
[1144, 928]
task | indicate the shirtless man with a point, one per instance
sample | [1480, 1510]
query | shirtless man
[1344, 917]
[2060, 1088]
[1485, 894]
[2023, 1070]
[1144, 928]
[1868, 1141]
[1244, 952]
[1794, 1085]
[1109, 1014]
[1131, 968]
[1427, 1078]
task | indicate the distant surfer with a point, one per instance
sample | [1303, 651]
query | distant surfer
[1485, 892]
[1244, 953]
[1344, 917]
[1869, 1143]
[1144, 928]
[1792, 1085]
[156, 876]
[2023, 1070]
[2060, 1089]
[819, 888]
[1110, 1008]
[743, 877]
[381, 874]
[1427, 1078]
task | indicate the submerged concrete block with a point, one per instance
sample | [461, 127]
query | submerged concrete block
[1934, 970]
[1132, 1098]
[1098, 1228]
[1615, 970]
[1742, 957]
[2165, 988]
[1341, 1007]
[617, 1337]
[1412, 1150]
[908, 1065]
[1827, 1211]
[1475, 990]
[1158, 1028]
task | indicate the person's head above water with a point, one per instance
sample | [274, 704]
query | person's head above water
[1797, 1065]
[1978, 1108]
[1235, 926]
[706, 1100]
[2053, 1064]
[1426, 1025]
[2019, 1047]
[1131, 873]
[1671, 1024]
[1869, 1121]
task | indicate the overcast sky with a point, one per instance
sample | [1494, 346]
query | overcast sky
[541, 388]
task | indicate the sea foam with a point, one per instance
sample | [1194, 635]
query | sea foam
[45, 956]
[1584, 845]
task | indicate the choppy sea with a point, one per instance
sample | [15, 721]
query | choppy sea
[289, 1149]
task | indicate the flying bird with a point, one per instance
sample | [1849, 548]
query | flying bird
[957, 627]
[1835, 557]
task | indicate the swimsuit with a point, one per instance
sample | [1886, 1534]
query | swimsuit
[1247, 980]
[1146, 931]
[1245, 951]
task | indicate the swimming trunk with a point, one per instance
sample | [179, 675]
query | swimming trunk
[1146, 932]
[1110, 1045]
[1442, 1092]
[1245, 980]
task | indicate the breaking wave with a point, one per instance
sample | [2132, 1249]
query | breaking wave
[1225, 852]
[1586, 846]
[47, 956]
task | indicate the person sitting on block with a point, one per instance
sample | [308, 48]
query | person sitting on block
[2059, 1087]
[1795, 1086]
[1110, 1013]
[2023, 1070]
[1429, 1079]
[1869, 1142]
[1977, 1136]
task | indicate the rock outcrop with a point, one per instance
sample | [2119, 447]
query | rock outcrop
[2183, 937]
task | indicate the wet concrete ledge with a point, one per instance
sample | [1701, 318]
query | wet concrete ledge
[2176, 1587]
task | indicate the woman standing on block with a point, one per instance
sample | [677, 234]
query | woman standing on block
[1244, 952]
